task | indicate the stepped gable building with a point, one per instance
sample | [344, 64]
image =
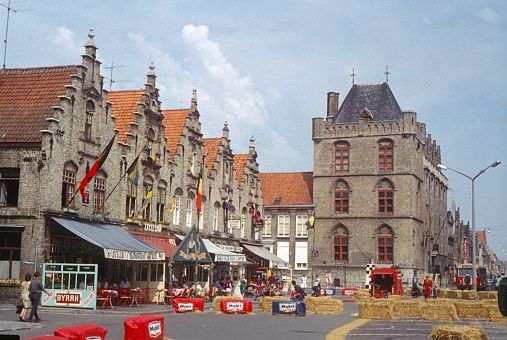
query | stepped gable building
[56, 122]
[288, 204]
[379, 196]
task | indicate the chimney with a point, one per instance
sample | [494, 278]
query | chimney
[332, 104]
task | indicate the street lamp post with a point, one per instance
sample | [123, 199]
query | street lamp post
[474, 260]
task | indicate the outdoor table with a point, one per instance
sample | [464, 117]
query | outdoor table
[160, 293]
[135, 297]
[106, 296]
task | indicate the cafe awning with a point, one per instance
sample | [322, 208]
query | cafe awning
[117, 242]
[223, 255]
[167, 247]
[266, 254]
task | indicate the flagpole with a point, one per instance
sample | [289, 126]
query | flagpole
[198, 208]
[121, 179]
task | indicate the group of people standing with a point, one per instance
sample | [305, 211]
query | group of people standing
[31, 292]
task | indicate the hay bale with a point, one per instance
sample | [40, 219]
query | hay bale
[394, 298]
[266, 303]
[469, 295]
[451, 332]
[487, 302]
[361, 295]
[454, 294]
[407, 308]
[312, 301]
[439, 310]
[442, 293]
[470, 309]
[376, 311]
[217, 299]
[494, 314]
[483, 295]
[493, 294]
[330, 306]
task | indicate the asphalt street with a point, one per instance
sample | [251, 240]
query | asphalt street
[257, 325]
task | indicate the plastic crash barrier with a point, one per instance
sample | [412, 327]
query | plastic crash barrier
[144, 327]
[288, 307]
[82, 332]
[330, 291]
[49, 337]
[348, 291]
[182, 305]
[236, 306]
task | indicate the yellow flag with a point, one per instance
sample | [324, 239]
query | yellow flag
[171, 205]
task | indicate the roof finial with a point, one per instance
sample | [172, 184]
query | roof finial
[387, 73]
[91, 35]
[353, 75]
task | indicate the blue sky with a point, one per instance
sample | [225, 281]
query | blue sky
[266, 67]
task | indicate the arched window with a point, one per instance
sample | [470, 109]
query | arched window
[385, 155]
[90, 110]
[385, 191]
[385, 244]
[341, 157]
[341, 198]
[341, 245]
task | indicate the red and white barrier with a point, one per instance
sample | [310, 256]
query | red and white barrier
[144, 327]
[348, 291]
[82, 332]
[182, 305]
[236, 306]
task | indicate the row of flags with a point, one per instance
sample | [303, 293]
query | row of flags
[134, 174]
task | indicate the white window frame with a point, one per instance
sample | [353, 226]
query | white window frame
[176, 211]
[216, 211]
[188, 219]
[301, 256]
[266, 231]
[301, 230]
[283, 250]
[283, 227]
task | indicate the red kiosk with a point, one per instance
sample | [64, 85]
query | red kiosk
[385, 282]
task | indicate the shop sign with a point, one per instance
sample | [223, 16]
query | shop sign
[230, 258]
[131, 255]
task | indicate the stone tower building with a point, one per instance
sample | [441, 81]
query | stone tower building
[378, 194]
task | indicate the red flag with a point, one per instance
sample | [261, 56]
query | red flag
[96, 166]
[198, 197]
[256, 214]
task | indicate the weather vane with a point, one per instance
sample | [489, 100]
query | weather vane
[353, 75]
[387, 73]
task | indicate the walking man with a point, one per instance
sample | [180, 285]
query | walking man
[36, 290]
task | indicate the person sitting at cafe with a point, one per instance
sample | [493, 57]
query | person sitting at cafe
[125, 284]
[81, 285]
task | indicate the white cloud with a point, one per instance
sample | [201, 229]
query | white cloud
[487, 14]
[235, 96]
[64, 38]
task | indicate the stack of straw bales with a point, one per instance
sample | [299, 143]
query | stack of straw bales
[216, 301]
[266, 303]
[442, 293]
[492, 311]
[470, 309]
[376, 310]
[323, 305]
[361, 295]
[407, 308]
[448, 332]
[442, 309]
[469, 295]
[483, 295]
[454, 294]
[393, 298]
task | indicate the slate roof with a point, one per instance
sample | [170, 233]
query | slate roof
[239, 166]
[174, 120]
[211, 147]
[292, 188]
[124, 105]
[377, 98]
[27, 96]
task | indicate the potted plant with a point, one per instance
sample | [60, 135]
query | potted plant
[71, 208]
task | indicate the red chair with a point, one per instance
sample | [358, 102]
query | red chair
[124, 297]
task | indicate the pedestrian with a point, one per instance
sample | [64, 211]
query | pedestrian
[25, 296]
[304, 284]
[329, 279]
[298, 292]
[316, 286]
[36, 288]
[242, 285]
[427, 284]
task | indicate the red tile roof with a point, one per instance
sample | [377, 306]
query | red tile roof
[293, 188]
[124, 105]
[239, 166]
[211, 147]
[26, 98]
[174, 120]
